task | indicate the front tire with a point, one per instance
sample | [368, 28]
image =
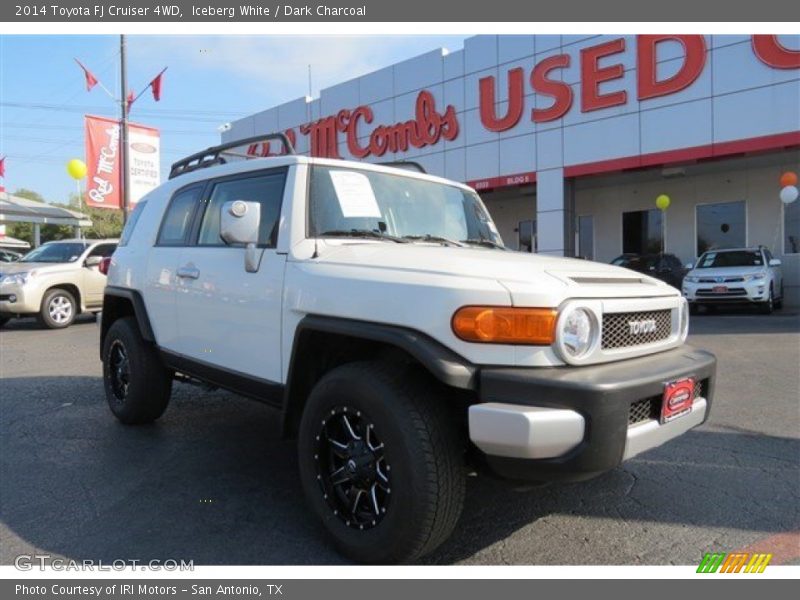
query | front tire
[137, 384]
[769, 304]
[3, 321]
[58, 309]
[779, 301]
[381, 462]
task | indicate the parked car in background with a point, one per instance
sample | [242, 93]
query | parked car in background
[666, 267]
[7, 256]
[735, 275]
[56, 282]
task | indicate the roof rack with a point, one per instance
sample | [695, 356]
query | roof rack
[404, 164]
[215, 155]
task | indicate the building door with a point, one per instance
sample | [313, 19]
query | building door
[584, 237]
[642, 232]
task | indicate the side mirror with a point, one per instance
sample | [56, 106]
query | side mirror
[92, 261]
[239, 224]
[775, 262]
[689, 266]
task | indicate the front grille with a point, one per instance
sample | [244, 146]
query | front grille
[617, 330]
[644, 410]
[649, 409]
[729, 292]
[721, 279]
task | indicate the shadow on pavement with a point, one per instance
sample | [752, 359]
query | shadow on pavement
[212, 482]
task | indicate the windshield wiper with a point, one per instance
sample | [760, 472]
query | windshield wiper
[433, 238]
[362, 233]
[485, 242]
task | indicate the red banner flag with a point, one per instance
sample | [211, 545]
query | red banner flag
[91, 80]
[155, 85]
[131, 99]
[103, 162]
[3, 167]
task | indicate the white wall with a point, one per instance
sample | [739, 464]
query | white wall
[757, 186]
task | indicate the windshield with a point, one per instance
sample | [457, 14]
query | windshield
[55, 252]
[356, 203]
[735, 258]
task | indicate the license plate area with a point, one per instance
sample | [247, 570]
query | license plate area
[677, 399]
[720, 289]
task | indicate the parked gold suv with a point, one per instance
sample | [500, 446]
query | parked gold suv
[56, 282]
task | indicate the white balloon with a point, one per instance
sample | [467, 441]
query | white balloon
[789, 194]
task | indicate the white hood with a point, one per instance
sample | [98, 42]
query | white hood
[521, 273]
[727, 271]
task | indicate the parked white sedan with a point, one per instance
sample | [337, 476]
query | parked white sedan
[735, 275]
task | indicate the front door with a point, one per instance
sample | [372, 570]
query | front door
[227, 317]
[94, 282]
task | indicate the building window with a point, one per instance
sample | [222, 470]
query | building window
[585, 245]
[642, 232]
[526, 236]
[721, 225]
[791, 228]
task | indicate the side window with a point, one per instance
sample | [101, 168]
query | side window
[103, 250]
[178, 219]
[130, 224]
[266, 189]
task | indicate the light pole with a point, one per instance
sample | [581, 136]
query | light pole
[123, 127]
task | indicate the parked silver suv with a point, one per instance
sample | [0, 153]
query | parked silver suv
[56, 282]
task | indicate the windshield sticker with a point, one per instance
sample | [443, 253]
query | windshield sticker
[709, 259]
[355, 195]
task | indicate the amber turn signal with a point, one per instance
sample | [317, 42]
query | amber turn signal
[505, 325]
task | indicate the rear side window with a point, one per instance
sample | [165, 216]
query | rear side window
[130, 224]
[103, 250]
[177, 221]
[266, 189]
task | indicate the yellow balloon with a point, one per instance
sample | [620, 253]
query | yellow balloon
[76, 168]
[662, 202]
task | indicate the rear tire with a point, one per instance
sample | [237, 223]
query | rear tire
[58, 309]
[137, 384]
[384, 431]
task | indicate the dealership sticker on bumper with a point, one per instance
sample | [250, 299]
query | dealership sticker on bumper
[678, 399]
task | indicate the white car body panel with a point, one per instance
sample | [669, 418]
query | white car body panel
[418, 286]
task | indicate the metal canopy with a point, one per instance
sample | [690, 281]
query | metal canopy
[14, 209]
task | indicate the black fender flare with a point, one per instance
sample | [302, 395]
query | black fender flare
[139, 311]
[441, 362]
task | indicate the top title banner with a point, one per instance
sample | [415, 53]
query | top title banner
[400, 11]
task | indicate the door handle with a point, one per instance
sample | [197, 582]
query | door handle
[188, 272]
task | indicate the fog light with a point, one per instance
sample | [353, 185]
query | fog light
[12, 298]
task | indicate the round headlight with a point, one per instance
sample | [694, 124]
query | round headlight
[577, 332]
[684, 320]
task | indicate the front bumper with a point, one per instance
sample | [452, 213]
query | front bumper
[18, 300]
[756, 290]
[572, 423]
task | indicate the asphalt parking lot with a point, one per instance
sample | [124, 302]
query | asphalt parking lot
[212, 481]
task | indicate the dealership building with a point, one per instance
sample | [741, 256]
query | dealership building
[569, 139]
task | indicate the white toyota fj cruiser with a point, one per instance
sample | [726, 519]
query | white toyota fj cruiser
[377, 308]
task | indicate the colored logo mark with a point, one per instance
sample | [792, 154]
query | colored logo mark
[735, 562]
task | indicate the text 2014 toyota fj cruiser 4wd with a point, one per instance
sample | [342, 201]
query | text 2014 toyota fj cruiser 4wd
[378, 310]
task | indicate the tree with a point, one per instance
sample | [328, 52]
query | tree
[106, 222]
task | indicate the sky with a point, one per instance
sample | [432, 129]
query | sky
[210, 80]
